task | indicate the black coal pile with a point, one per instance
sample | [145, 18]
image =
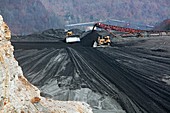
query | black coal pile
[133, 75]
[47, 35]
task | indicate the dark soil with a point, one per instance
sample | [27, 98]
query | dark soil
[131, 71]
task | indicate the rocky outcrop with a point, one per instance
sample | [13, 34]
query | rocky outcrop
[17, 94]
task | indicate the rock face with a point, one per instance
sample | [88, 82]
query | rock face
[17, 94]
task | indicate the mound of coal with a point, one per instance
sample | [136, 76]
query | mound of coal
[90, 37]
[131, 78]
[47, 35]
[50, 34]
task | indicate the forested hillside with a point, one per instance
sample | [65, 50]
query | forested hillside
[146, 11]
[27, 16]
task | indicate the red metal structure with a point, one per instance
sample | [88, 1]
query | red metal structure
[129, 30]
[117, 28]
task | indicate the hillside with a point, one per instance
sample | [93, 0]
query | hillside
[165, 25]
[27, 16]
[128, 76]
[21, 15]
[145, 11]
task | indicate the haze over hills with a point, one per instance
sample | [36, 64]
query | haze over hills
[147, 11]
[27, 16]
[21, 15]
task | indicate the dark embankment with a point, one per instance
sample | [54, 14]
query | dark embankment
[132, 75]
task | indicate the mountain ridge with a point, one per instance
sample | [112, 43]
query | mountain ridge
[40, 15]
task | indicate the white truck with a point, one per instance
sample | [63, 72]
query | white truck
[71, 38]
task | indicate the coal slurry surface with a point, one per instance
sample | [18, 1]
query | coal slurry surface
[133, 75]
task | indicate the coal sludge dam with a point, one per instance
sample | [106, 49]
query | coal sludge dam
[125, 75]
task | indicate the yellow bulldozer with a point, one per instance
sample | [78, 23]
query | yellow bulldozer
[103, 40]
[69, 33]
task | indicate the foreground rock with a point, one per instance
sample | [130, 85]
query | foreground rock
[17, 94]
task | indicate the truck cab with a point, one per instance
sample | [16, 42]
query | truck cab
[72, 38]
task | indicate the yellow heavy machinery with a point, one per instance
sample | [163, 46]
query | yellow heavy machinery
[69, 33]
[103, 40]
